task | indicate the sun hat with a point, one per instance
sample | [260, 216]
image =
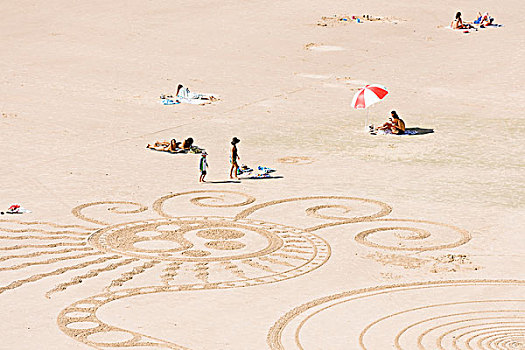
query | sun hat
[235, 140]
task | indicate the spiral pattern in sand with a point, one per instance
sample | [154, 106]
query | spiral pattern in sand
[466, 315]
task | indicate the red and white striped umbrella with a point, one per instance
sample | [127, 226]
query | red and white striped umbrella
[369, 95]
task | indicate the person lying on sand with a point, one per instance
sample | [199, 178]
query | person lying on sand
[459, 24]
[186, 145]
[484, 20]
[395, 124]
[185, 93]
[172, 146]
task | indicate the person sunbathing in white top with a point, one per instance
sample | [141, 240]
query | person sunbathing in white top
[184, 92]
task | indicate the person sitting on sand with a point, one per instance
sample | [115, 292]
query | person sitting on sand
[172, 146]
[398, 126]
[459, 24]
[387, 125]
[394, 124]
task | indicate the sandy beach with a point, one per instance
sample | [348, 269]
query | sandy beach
[358, 241]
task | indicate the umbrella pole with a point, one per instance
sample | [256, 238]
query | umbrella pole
[366, 120]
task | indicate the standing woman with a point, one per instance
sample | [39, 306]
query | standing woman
[234, 156]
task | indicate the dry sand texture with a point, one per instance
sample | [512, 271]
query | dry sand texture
[365, 242]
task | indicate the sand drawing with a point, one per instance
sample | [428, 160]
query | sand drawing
[296, 160]
[128, 276]
[77, 211]
[482, 314]
[414, 238]
[91, 274]
[338, 20]
[432, 263]
[173, 253]
[251, 259]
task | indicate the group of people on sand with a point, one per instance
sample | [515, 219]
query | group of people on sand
[175, 147]
[234, 160]
[172, 146]
[482, 20]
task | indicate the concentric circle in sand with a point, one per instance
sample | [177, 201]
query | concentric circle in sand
[191, 241]
[287, 253]
[463, 315]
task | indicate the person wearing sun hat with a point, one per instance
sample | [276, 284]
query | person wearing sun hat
[234, 157]
[203, 165]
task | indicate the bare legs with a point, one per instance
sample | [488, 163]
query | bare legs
[234, 167]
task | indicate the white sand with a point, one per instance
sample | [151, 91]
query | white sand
[80, 85]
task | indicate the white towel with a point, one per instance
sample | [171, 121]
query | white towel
[185, 93]
[17, 210]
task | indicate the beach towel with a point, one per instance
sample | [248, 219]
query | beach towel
[159, 149]
[260, 176]
[17, 209]
[389, 132]
[185, 93]
[466, 31]
[196, 150]
[168, 102]
[265, 170]
[193, 101]
[244, 169]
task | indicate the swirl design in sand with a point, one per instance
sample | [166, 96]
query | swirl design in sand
[339, 210]
[77, 211]
[207, 198]
[468, 314]
[171, 253]
[250, 253]
[423, 235]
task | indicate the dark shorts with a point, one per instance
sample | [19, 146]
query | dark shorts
[398, 132]
[203, 172]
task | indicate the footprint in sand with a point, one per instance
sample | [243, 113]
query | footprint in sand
[313, 76]
[350, 81]
[296, 160]
[323, 48]
[336, 20]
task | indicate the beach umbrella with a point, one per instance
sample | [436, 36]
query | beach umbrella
[367, 96]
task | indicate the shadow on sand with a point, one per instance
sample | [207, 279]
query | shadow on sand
[420, 131]
[224, 182]
[262, 178]
[243, 178]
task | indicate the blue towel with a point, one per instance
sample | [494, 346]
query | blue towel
[265, 169]
[169, 102]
